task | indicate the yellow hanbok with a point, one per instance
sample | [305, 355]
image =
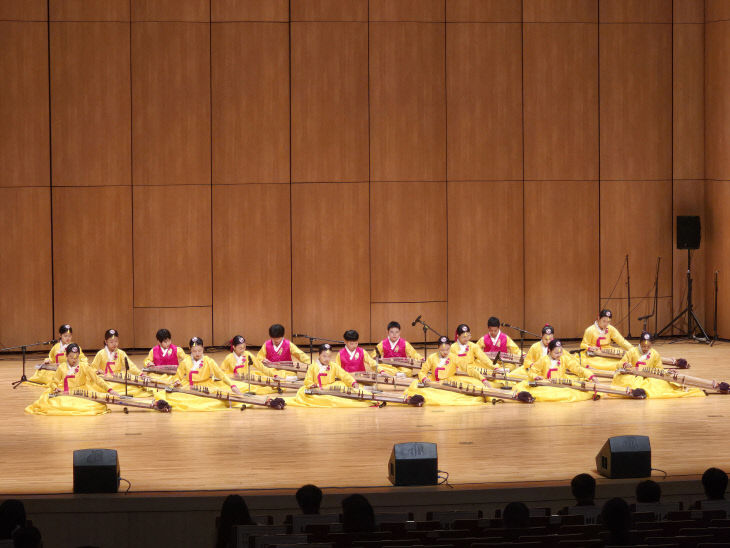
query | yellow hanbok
[565, 367]
[68, 379]
[113, 364]
[239, 365]
[437, 370]
[410, 353]
[199, 374]
[324, 377]
[57, 355]
[594, 336]
[654, 388]
[536, 351]
[470, 359]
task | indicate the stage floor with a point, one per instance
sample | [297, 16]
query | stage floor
[344, 448]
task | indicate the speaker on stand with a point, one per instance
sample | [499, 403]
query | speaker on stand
[688, 237]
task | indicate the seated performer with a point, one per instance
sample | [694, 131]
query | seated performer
[326, 373]
[56, 356]
[555, 365]
[468, 356]
[199, 371]
[354, 359]
[599, 336]
[439, 367]
[496, 341]
[112, 360]
[645, 356]
[164, 354]
[279, 349]
[395, 347]
[72, 374]
[241, 362]
[540, 348]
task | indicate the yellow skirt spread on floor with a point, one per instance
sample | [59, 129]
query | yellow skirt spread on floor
[435, 396]
[553, 393]
[65, 405]
[42, 377]
[310, 400]
[657, 388]
[189, 402]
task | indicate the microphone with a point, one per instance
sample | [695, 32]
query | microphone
[298, 335]
[52, 341]
[644, 317]
[414, 322]
[505, 324]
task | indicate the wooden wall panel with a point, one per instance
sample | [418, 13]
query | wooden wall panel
[408, 247]
[636, 218]
[251, 260]
[25, 269]
[329, 10]
[90, 10]
[250, 87]
[407, 103]
[561, 256]
[717, 10]
[92, 262]
[485, 253]
[635, 11]
[563, 11]
[172, 253]
[717, 101]
[90, 104]
[171, 10]
[329, 102]
[23, 10]
[715, 235]
[636, 102]
[485, 11]
[171, 103]
[330, 259]
[689, 199]
[689, 102]
[24, 145]
[689, 11]
[484, 95]
[561, 101]
[184, 323]
[434, 314]
[250, 10]
[407, 10]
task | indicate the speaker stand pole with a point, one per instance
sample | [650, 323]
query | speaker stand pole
[689, 311]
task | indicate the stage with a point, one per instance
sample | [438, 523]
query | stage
[349, 448]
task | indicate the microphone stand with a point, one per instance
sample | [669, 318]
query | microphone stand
[126, 376]
[522, 334]
[426, 329]
[23, 348]
[715, 318]
[311, 343]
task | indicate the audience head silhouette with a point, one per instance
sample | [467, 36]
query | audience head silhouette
[648, 491]
[583, 487]
[714, 481]
[357, 515]
[309, 498]
[234, 511]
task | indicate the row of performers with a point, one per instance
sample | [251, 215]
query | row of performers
[459, 373]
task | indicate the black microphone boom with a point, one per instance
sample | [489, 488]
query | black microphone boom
[414, 322]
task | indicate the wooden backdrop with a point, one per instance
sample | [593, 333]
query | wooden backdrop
[214, 166]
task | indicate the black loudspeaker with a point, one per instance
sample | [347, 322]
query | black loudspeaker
[96, 471]
[413, 463]
[688, 232]
[625, 457]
